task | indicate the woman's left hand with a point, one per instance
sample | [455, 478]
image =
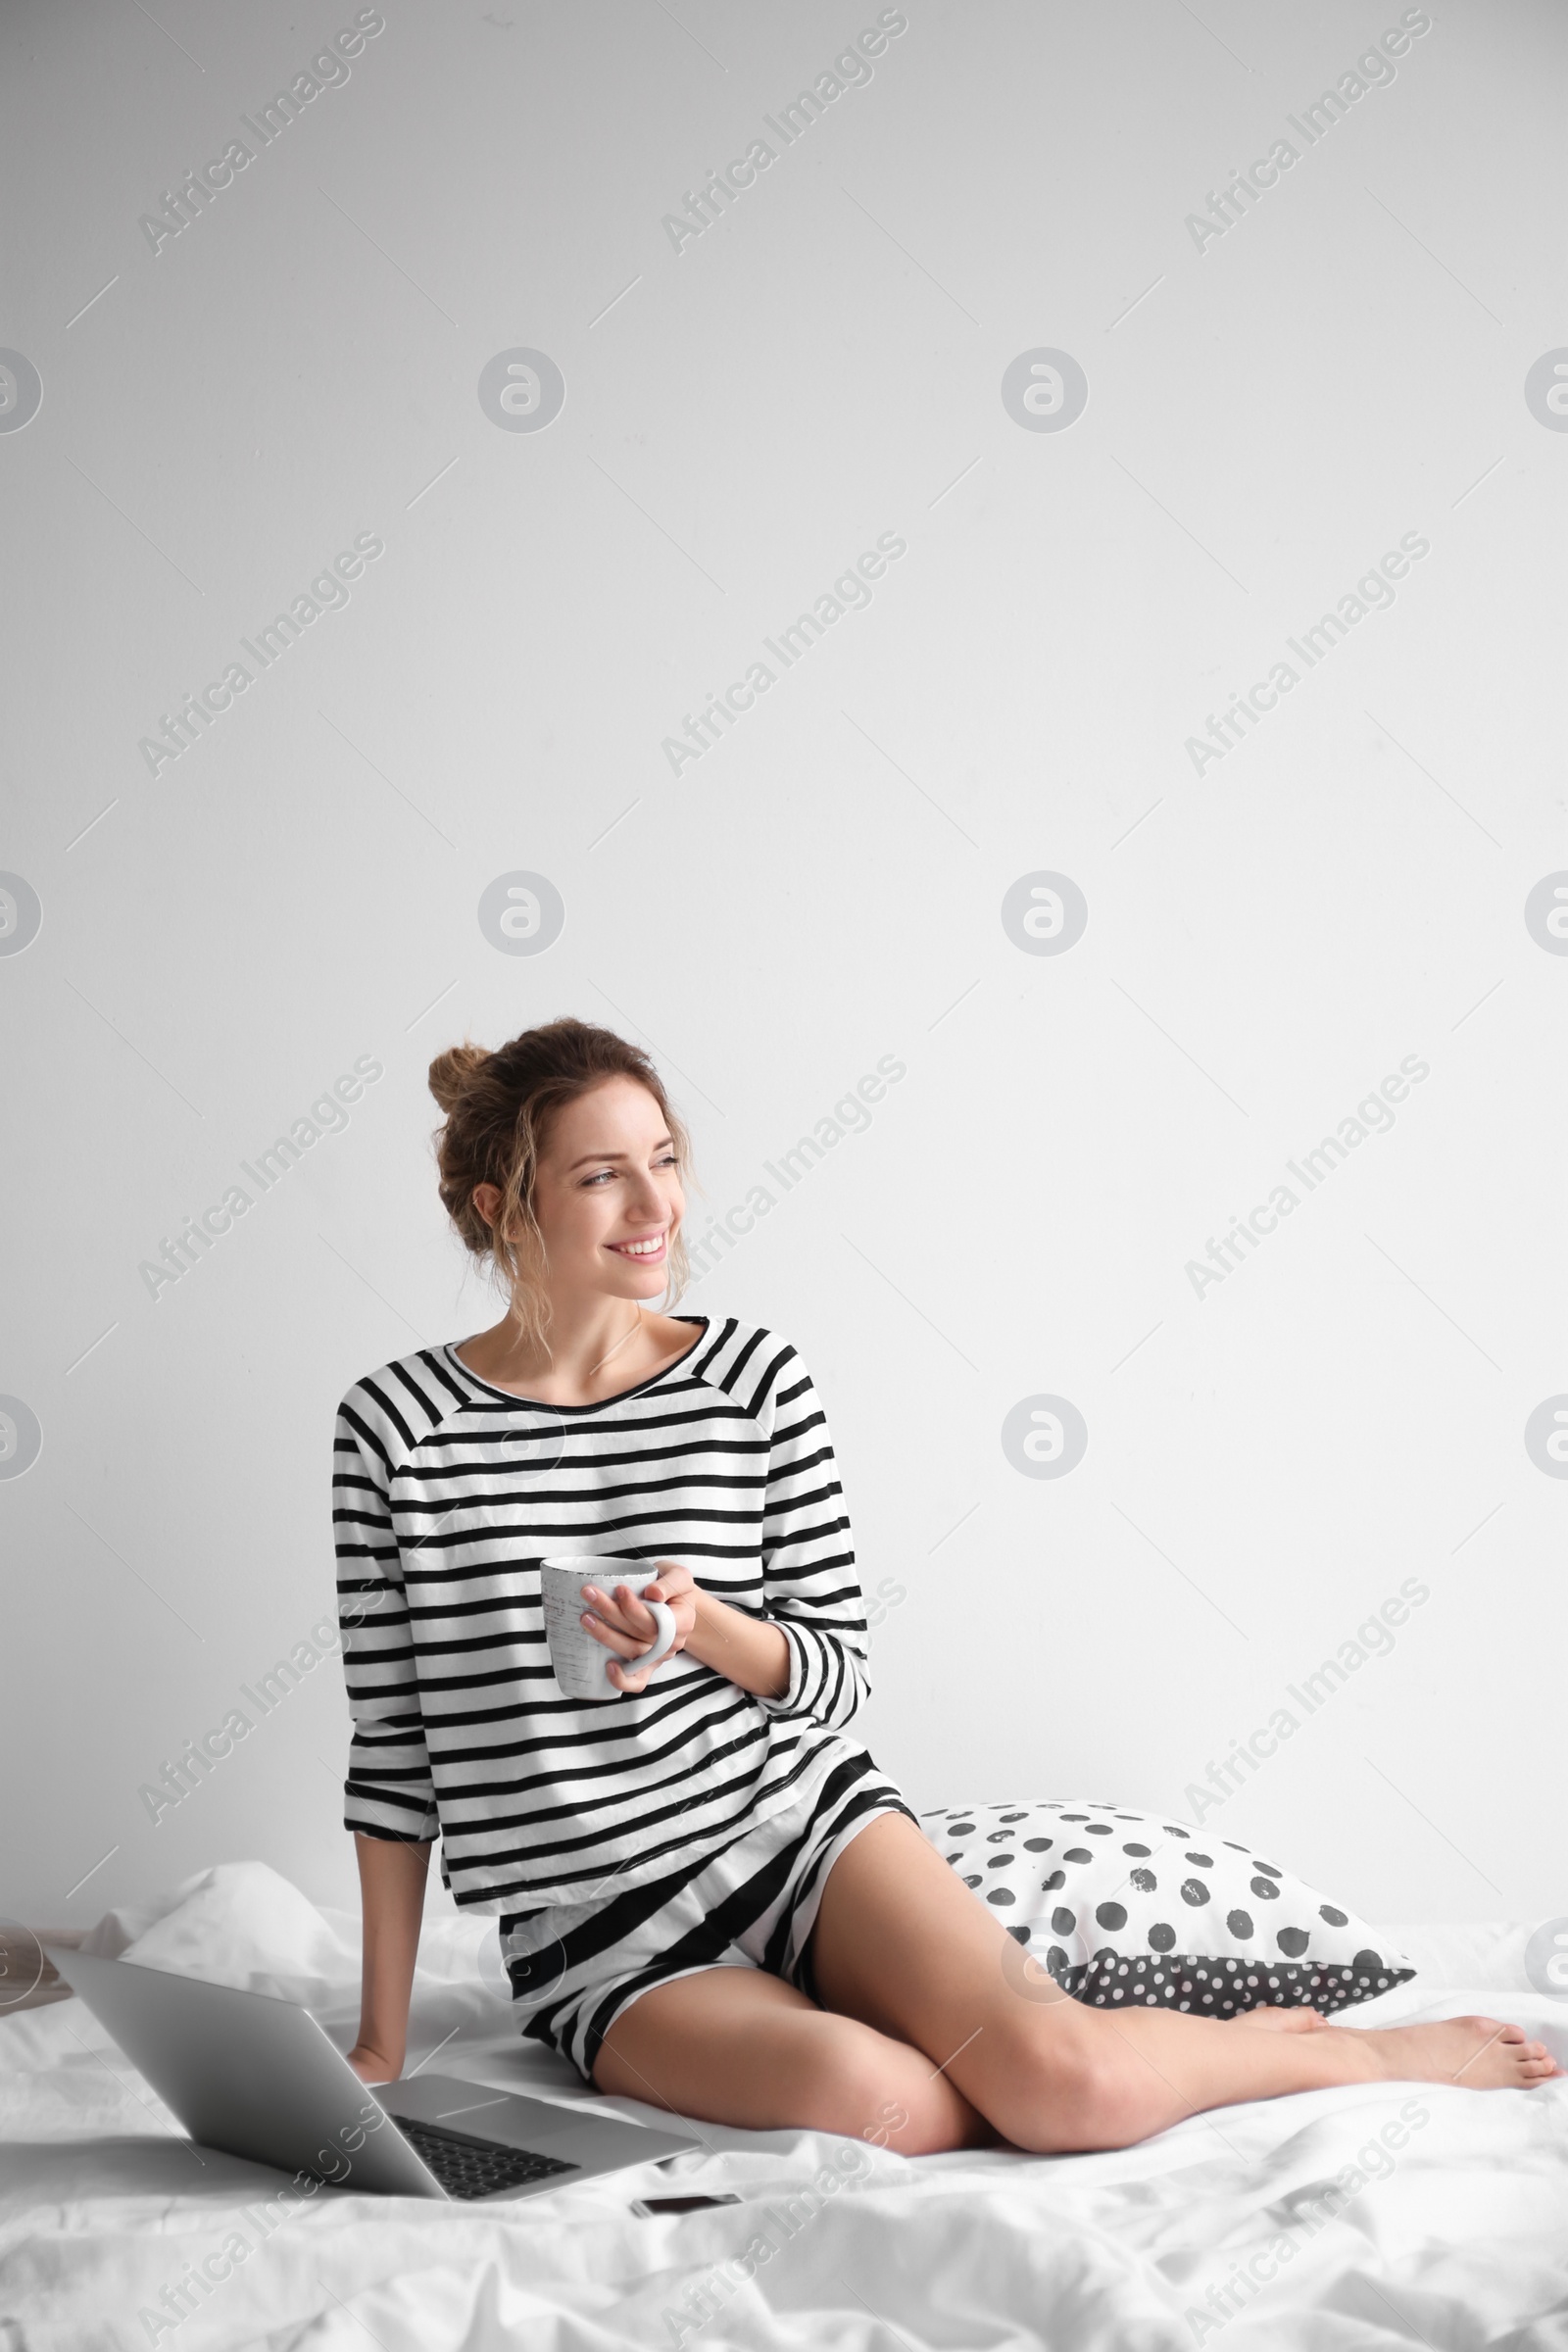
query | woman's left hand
[622, 1623]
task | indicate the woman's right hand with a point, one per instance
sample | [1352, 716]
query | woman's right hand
[372, 2065]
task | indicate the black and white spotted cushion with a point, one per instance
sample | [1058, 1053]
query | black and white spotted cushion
[1121, 1906]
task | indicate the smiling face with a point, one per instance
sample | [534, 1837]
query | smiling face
[608, 1196]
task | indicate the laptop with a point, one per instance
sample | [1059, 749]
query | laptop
[260, 2078]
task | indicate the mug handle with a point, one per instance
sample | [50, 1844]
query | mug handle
[664, 1616]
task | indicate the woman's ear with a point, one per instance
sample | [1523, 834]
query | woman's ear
[487, 1201]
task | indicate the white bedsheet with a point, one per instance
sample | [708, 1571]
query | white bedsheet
[1461, 2244]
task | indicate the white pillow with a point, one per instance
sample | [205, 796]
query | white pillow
[1131, 1907]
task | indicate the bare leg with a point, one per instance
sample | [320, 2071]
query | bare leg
[901, 1945]
[735, 2045]
[1282, 2021]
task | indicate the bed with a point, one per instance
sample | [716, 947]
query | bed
[1400, 2214]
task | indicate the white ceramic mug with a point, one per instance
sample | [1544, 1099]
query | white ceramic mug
[581, 1664]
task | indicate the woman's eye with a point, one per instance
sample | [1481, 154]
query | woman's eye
[600, 1176]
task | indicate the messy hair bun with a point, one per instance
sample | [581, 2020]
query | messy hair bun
[499, 1108]
[454, 1072]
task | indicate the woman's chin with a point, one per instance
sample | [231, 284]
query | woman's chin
[638, 1290]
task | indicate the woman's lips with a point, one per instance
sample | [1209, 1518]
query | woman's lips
[647, 1252]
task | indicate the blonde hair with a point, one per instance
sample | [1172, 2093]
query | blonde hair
[499, 1110]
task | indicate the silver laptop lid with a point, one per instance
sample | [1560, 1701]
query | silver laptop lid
[248, 2074]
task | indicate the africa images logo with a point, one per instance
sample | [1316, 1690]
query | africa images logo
[1044, 390]
[522, 390]
[21, 914]
[20, 391]
[1045, 1437]
[1546, 390]
[522, 913]
[1045, 914]
[21, 1437]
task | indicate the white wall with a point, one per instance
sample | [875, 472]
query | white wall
[1268, 413]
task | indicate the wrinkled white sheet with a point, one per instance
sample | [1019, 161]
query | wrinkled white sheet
[1457, 2241]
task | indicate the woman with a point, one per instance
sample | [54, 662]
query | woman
[708, 1896]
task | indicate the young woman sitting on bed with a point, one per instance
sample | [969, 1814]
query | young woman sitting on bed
[708, 1896]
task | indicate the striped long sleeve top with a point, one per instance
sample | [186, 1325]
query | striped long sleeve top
[448, 1493]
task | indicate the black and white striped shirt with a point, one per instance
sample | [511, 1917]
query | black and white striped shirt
[448, 1493]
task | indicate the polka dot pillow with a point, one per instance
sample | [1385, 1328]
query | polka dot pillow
[1130, 1907]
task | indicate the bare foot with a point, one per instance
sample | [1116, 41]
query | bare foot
[1477, 2053]
[1283, 2020]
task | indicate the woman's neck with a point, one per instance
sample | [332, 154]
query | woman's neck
[598, 1350]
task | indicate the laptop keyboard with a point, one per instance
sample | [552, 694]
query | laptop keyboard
[475, 2168]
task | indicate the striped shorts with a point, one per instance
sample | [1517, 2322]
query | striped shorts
[574, 1967]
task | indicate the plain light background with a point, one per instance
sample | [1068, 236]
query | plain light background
[1269, 411]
